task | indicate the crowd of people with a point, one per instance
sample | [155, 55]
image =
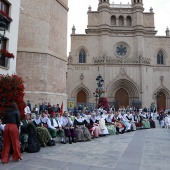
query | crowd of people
[43, 124]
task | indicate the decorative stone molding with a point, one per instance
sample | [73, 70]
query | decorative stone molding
[81, 77]
[161, 79]
[162, 89]
[111, 60]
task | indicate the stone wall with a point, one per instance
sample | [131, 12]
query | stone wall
[42, 50]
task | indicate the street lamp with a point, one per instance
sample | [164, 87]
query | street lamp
[100, 81]
[99, 89]
[96, 97]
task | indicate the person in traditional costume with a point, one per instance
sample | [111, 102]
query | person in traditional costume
[25, 125]
[68, 127]
[120, 128]
[125, 121]
[43, 134]
[94, 123]
[110, 125]
[101, 122]
[152, 123]
[89, 126]
[145, 121]
[82, 133]
[71, 115]
[129, 117]
[55, 128]
[44, 119]
[137, 120]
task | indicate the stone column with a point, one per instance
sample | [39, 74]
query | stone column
[117, 21]
[125, 24]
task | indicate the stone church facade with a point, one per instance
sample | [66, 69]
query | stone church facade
[121, 45]
[42, 50]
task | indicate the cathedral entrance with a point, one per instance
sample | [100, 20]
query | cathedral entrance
[161, 102]
[122, 98]
[81, 97]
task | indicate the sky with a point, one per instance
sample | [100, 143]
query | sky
[77, 14]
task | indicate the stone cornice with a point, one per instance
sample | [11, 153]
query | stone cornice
[64, 5]
[116, 65]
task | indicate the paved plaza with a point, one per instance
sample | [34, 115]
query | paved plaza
[141, 150]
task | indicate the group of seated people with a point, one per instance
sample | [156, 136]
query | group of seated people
[81, 127]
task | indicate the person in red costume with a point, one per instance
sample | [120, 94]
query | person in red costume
[11, 134]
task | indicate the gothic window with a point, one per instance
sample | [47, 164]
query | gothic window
[121, 21]
[128, 21]
[160, 57]
[82, 56]
[113, 20]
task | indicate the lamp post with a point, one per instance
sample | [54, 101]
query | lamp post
[96, 97]
[99, 89]
[100, 81]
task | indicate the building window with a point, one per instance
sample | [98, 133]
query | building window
[113, 20]
[4, 6]
[160, 57]
[128, 21]
[121, 21]
[82, 56]
[3, 60]
[4, 12]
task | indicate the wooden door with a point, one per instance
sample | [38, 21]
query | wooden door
[81, 97]
[122, 97]
[161, 102]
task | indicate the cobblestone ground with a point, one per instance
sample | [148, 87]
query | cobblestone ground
[140, 150]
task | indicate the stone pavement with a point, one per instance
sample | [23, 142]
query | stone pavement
[140, 150]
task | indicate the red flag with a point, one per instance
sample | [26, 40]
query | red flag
[61, 109]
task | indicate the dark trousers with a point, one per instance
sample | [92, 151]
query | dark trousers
[70, 133]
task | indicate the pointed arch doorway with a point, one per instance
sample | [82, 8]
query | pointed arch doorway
[81, 97]
[161, 102]
[122, 98]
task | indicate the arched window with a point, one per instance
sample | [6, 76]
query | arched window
[113, 20]
[121, 21]
[160, 57]
[82, 56]
[128, 21]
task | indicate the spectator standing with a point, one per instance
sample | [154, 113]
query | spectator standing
[11, 134]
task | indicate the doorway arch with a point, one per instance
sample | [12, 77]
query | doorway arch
[122, 98]
[161, 101]
[81, 97]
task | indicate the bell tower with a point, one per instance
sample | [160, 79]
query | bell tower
[103, 4]
[137, 1]
[103, 8]
[138, 9]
